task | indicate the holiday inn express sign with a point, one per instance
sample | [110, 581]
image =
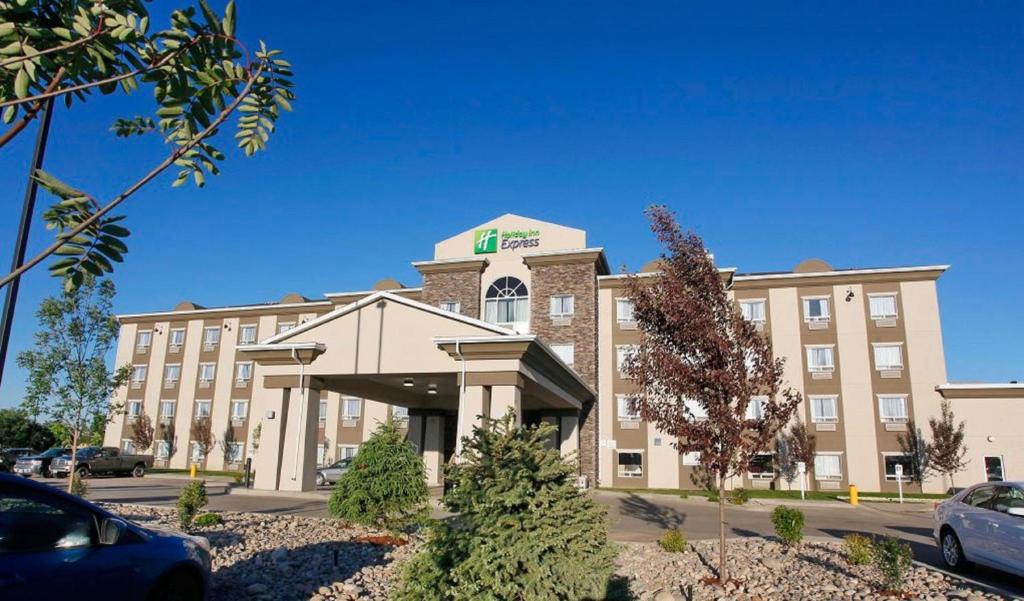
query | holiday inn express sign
[487, 241]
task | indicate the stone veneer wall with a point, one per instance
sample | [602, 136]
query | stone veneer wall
[579, 280]
[460, 286]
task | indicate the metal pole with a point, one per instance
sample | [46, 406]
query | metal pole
[21, 241]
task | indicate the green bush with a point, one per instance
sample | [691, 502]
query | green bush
[858, 549]
[739, 496]
[522, 530]
[192, 499]
[893, 559]
[789, 524]
[673, 541]
[208, 519]
[78, 486]
[386, 485]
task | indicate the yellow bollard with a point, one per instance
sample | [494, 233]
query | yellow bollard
[853, 495]
[192, 472]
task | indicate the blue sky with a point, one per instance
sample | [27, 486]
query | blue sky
[867, 134]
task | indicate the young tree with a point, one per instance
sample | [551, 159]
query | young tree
[68, 378]
[523, 528]
[142, 433]
[202, 436]
[802, 445]
[914, 446]
[947, 452]
[227, 439]
[166, 434]
[18, 429]
[200, 74]
[699, 364]
[785, 461]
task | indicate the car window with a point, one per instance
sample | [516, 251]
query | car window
[29, 523]
[980, 497]
[1007, 498]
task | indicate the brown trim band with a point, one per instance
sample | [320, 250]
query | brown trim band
[290, 381]
[425, 267]
[493, 378]
[1001, 392]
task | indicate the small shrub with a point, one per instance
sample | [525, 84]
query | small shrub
[684, 495]
[789, 524]
[893, 558]
[739, 496]
[673, 541]
[858, 549]
[209, 519]
[192, 499]
[78, 486]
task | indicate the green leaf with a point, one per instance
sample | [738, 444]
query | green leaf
[21, 82]
[69, 250]
[115, 230]
[229, 18]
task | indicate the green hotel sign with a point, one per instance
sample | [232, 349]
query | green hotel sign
[486, 241]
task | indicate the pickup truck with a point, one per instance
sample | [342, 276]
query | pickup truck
[101, 460]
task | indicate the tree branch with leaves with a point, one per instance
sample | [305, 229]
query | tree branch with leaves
[947, 452]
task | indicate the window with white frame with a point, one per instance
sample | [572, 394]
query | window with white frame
[507, 303]
[696, 409]
[203, 409]
[167, 409]
[762, 467]
[247, 334]
[127, 447]
[138, 374]
[565, 352]
[162, 449]
[284, 327]
[631, 464]
[562, 305]
[399, 413]
[755, 408]
[346, 451]
[321, 455]
[351, 408]
[177, 337]
[624, 310]
[892, 408]
[820, 358]
[143, 339]
[451, 306]
[824, 409]
[172, 373]
[753, 310]
[134, 409]
[691, 458]
[888, 357]
[628, 407]
[235, 452]
[623, 352]
[207, 371]
[243, 371]
[816, 308]
[883, 306]
[828, 466]
[211, 336]
[197, 452]
[323, 411]
[239, 409]
[894, 459]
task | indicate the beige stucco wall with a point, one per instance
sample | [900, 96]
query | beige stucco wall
[122, 356]
[784, 306]
[662, 460]
[605, 375]
[994, 427]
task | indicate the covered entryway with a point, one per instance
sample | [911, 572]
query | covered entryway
[449, 370]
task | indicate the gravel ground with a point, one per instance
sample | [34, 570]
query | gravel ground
[264, 557]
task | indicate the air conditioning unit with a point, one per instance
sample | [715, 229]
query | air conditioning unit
[632, 424]
[170, 383]
[825, 427]
[174, 348]
[240, 383]
[817, 324]
[349, 423]
[141, 349]
[627, 325]
[237, 421]
[885, 322]
[561, 321]
[891, 373]
[821, 375]
[204, 383]
[895, 427]
[209, 346]
[582, 481]
[136, 384]
[759, 326]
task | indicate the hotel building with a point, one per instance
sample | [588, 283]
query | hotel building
[524, 315]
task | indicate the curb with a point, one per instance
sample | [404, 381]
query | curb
[279, 494]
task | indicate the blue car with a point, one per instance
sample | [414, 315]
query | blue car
[56, 546]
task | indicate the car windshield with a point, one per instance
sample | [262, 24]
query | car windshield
[53, 453]
[84, 452]
[342, 463]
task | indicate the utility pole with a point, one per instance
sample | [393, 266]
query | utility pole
[21, 241]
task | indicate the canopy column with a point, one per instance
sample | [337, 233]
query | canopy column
[286, 459]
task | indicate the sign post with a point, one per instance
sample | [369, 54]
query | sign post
[899, 480]
[802, 468]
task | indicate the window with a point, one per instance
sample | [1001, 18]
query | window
[211, 336]
[142, 340]
[207, 371]
[883, 306]
[753, 310]
[202, 409]
[891, 461]
[247, 334]
[351, 408]
[167, 409]
[235, 452]
[162, 450]
[399, 413]
[451, 306]
[824, 409]
[888, 357]
[323, 411]
[696, 410]
[37, 523]
[631, 464]
[243, 371]
[134, 409]
[622, 352]
[762, 467]
[177, 337]
[172, 373]
[239, 409]
[1007, 498]
[624, 310]
[284, 327]
[321, 455]
[828, 467]
[816, 308]
[565, 352]
[755, 408]
[691, 458]
[507, 303]
[629, 408]
[994, 468]
[127, 447]
[347, 451]
[138, 374]
[892, 408]
[819, 358]
[562, 305]
[197, 452]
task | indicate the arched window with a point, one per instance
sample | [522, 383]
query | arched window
[507, 303]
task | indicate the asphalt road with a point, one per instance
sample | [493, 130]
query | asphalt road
[634, 517]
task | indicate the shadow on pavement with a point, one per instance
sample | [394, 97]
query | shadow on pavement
[640, 508]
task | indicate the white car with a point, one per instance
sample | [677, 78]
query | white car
[983, 524]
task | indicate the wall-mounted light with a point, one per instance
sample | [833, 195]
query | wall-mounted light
[849, 294]
[158, 331]
[432, 389]
[227, 326]
[408, 383]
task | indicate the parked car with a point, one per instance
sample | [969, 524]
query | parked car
[56, 546]
[9, 456]
[38, 465]
[331, 473]
[983, 524]
[101, 460]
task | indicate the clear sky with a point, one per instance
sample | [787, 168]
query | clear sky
[865, 134]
